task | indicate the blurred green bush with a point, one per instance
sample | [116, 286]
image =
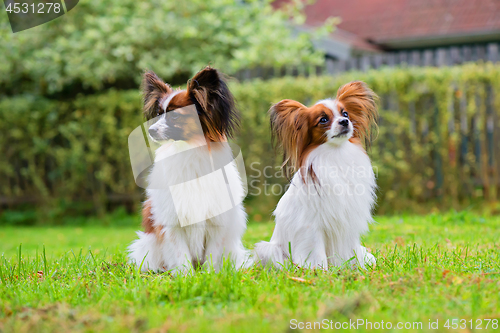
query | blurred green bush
[437, 144]
[109, 43]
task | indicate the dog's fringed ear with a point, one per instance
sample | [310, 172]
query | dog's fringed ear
[360, 102]
[154, 92]
[289, 131]
[215, 104]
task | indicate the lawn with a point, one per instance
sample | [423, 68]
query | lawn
[431, 268]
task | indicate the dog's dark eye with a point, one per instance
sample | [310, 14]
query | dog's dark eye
[323, 120]
[345, 114]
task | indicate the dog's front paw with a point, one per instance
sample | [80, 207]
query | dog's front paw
[370, 259]
[365, 258]
[185, 268]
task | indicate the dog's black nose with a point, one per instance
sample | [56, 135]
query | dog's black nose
[344, 122]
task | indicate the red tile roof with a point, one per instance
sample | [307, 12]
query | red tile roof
[385, 20]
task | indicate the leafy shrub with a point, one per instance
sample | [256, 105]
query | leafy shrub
[109, 43]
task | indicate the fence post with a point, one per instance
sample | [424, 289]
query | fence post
[492, 52]
[428, 58]
[352, 64]
[365, 63]
[478, 120]
[481, 52]
[377, 60]
[330, 66]
[441, 59]
[467, 53]
[464, 143]
[415, 58]
[342, 66]
[496, 139]
[455, 55]
[490, 142]
[403, 58]
[437, 150]
[452, 148]
[475, 53]
[391, 60]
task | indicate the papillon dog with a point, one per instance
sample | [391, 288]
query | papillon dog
[188, 218]
[328, 204]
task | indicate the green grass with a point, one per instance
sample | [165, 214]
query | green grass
[436, 267]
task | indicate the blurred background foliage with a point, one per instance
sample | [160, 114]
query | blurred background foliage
[109, 43]
[69, 98]
[71, 157]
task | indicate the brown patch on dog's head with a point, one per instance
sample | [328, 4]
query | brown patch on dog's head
[360, 102]
[297, 130]
[207, 90]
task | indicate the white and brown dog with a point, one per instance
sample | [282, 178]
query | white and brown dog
[189, 223]
[320, 218]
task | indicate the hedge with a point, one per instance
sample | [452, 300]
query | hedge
[437, 144]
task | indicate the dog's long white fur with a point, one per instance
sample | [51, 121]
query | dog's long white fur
[322, 222]
[207, 242]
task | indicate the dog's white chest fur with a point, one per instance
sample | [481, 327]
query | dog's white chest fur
[198, 209]
[342, 196]
[322, 220]
[190, 188]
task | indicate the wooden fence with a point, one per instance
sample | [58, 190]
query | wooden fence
[455, 148]
[439, 57]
